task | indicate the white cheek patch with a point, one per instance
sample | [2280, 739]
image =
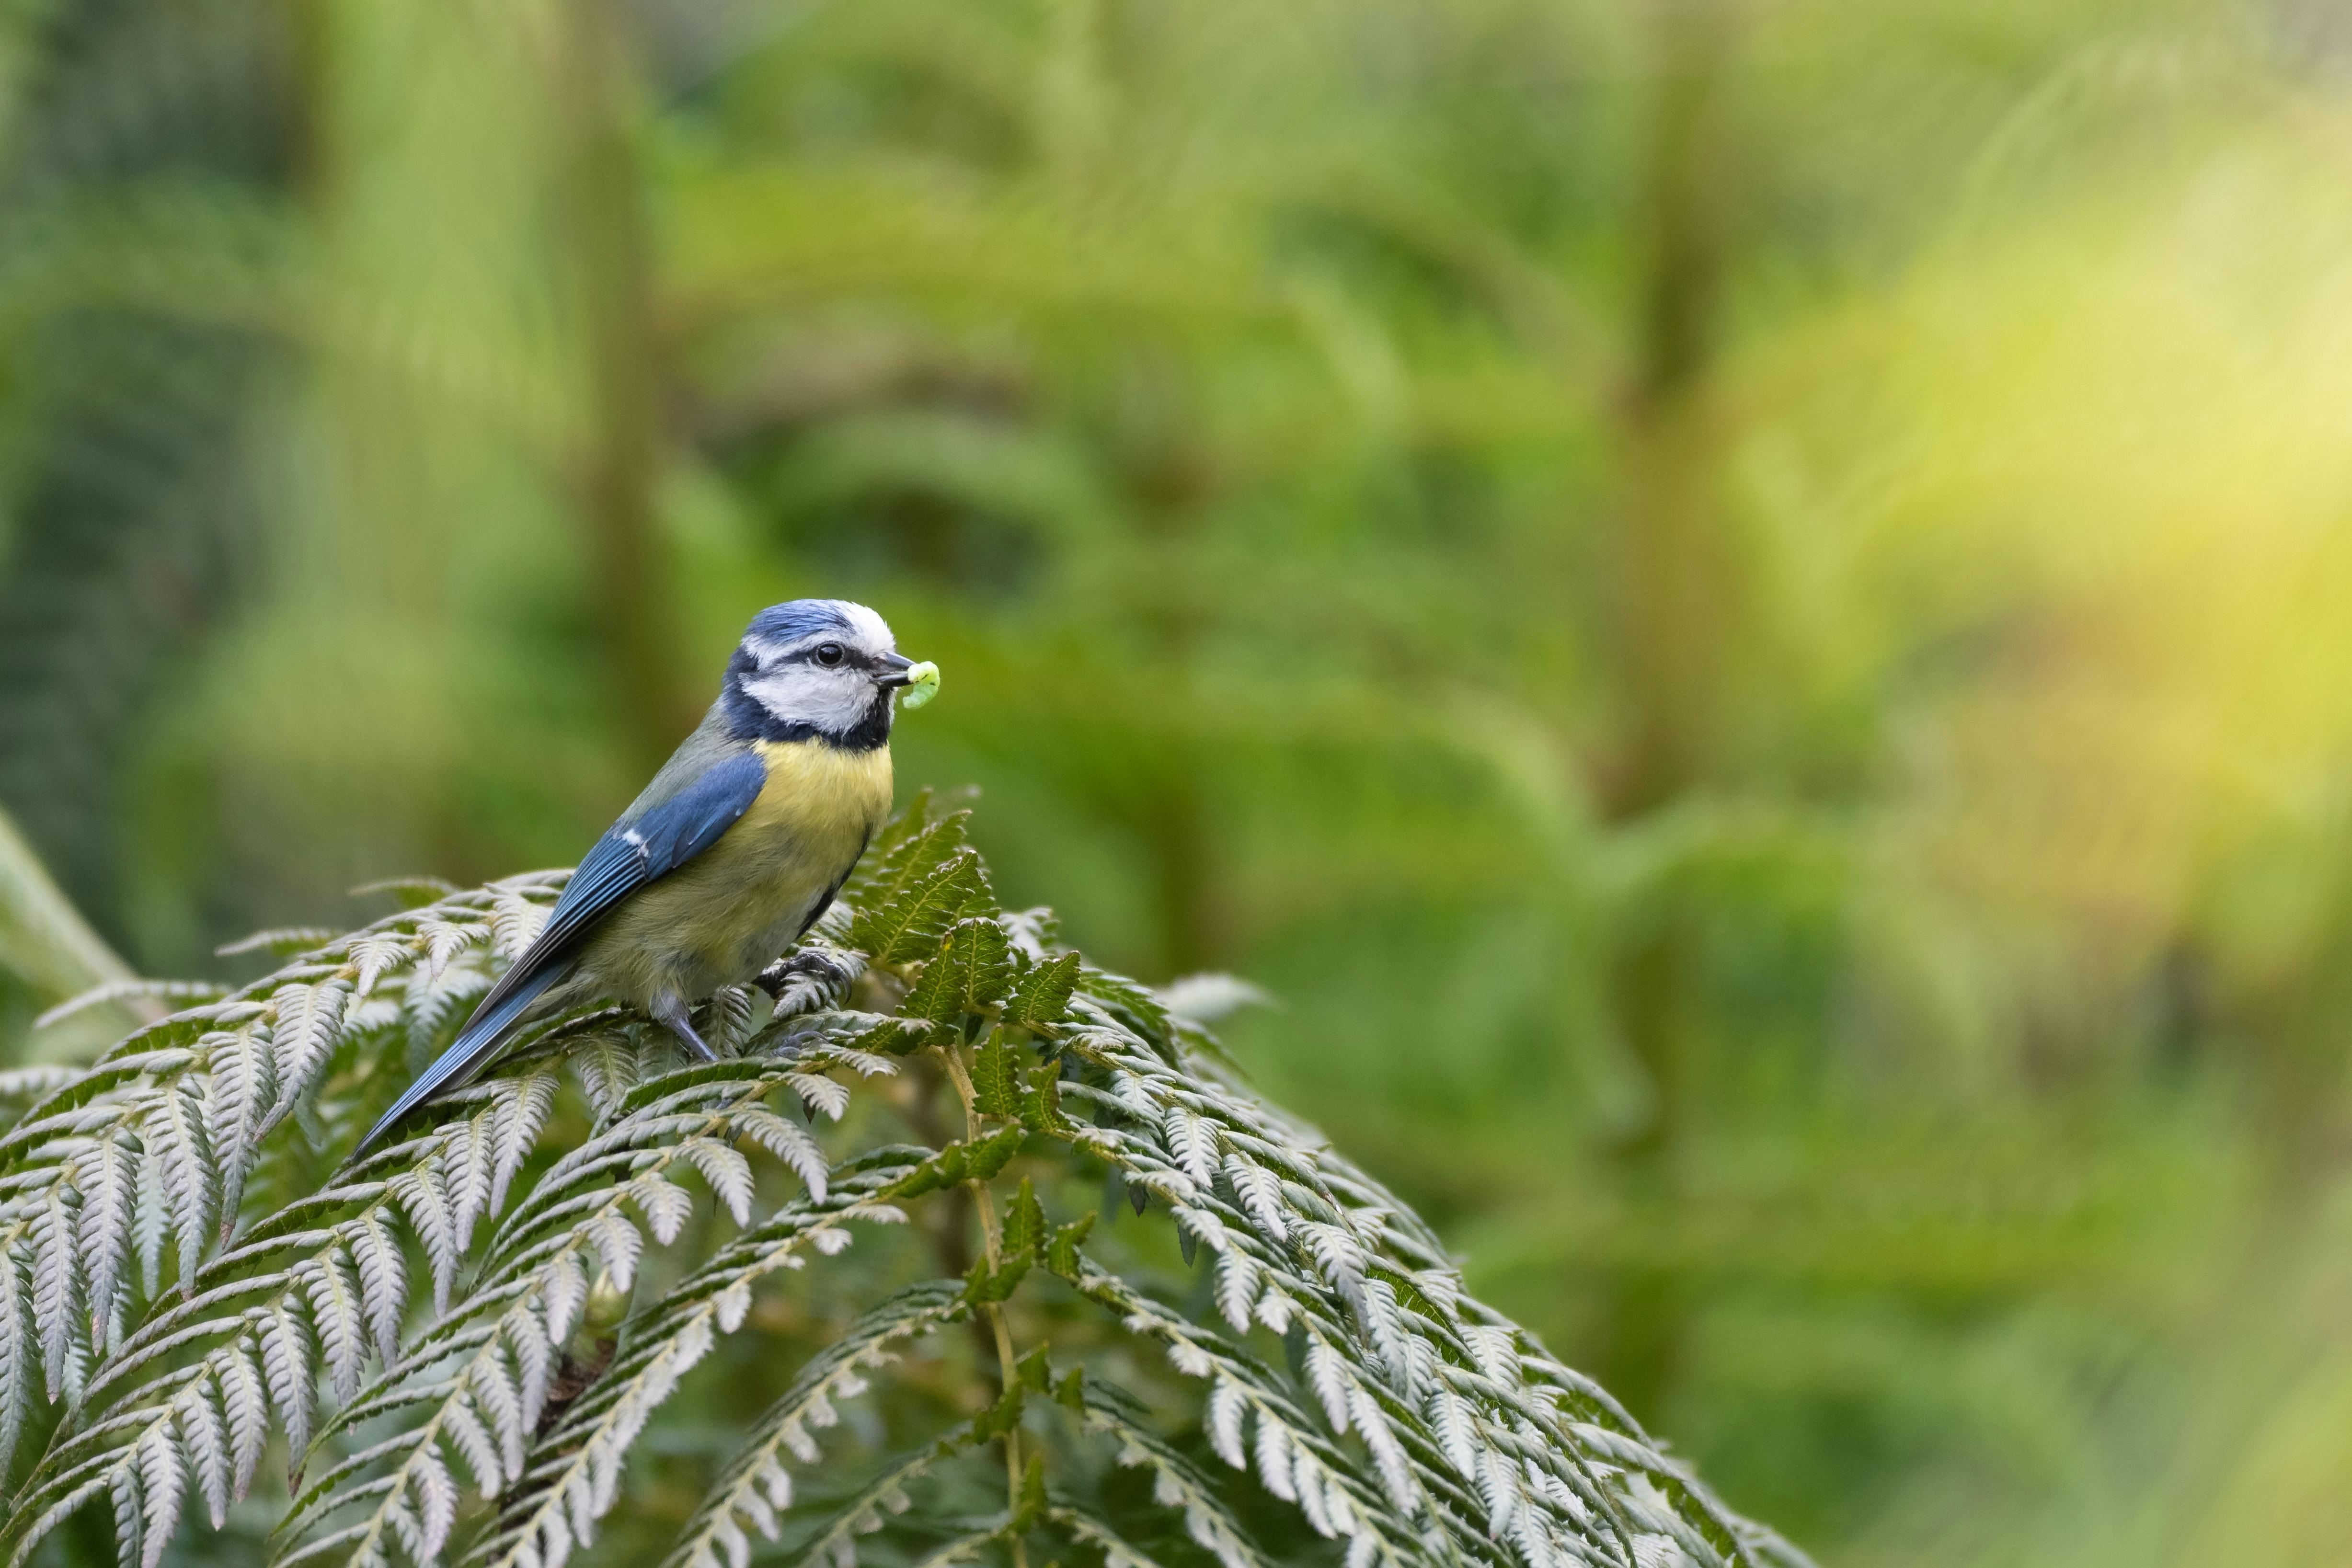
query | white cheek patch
[831, 700]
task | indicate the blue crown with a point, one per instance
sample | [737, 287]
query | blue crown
[799, 618]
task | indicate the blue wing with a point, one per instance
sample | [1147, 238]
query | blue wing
[633, 853]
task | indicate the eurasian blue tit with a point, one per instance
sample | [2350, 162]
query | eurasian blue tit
[732, 853]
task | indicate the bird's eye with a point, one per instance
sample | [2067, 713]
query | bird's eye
[829, 654]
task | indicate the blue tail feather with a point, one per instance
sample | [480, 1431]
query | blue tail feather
[484, 1033]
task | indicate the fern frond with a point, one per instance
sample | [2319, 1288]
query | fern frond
[1412, 1425]
[916, 888]
[1177, 1483]
[533, 1280]
[1294, 1461]
[123, 991]
[964, 1548]
[280, 941]
[1332, 1241]
[834, 1543]
[310, 1287]
[1084, 1529]
[569, 1477]
[757, 1485]
[195, 1094]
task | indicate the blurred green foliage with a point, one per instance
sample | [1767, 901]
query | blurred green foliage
[1739, 609]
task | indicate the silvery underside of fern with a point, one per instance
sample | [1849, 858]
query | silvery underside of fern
[965, 1252]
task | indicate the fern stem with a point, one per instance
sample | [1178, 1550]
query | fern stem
[992, 1313]
[953, 1060]
[1005, 1362]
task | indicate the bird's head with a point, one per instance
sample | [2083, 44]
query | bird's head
[819, 669]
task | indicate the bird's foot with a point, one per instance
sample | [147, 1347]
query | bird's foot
[808, 979]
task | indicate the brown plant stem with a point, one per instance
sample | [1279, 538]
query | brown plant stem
[1674, 620]
[992, 1313]
[627, 434]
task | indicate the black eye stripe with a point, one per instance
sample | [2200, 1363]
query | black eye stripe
[847, 656]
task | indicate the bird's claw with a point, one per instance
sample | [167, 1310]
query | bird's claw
[807, 977]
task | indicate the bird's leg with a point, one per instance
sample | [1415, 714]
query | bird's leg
[669, 1011]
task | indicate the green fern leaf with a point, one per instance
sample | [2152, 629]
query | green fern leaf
[969, 974]
[1042, 993]
[996, 1078]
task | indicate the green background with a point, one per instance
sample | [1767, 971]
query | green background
[1739, 610]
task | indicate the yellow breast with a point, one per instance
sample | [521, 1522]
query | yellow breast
[820, 796]
[717, 919]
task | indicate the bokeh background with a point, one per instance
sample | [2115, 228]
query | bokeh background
[1741, 609]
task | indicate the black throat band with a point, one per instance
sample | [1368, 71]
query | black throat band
[748, 720]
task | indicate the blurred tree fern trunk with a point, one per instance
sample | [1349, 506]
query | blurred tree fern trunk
[631, 598]
[1673, 617]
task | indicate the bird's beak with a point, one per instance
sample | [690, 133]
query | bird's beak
[920, 680]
